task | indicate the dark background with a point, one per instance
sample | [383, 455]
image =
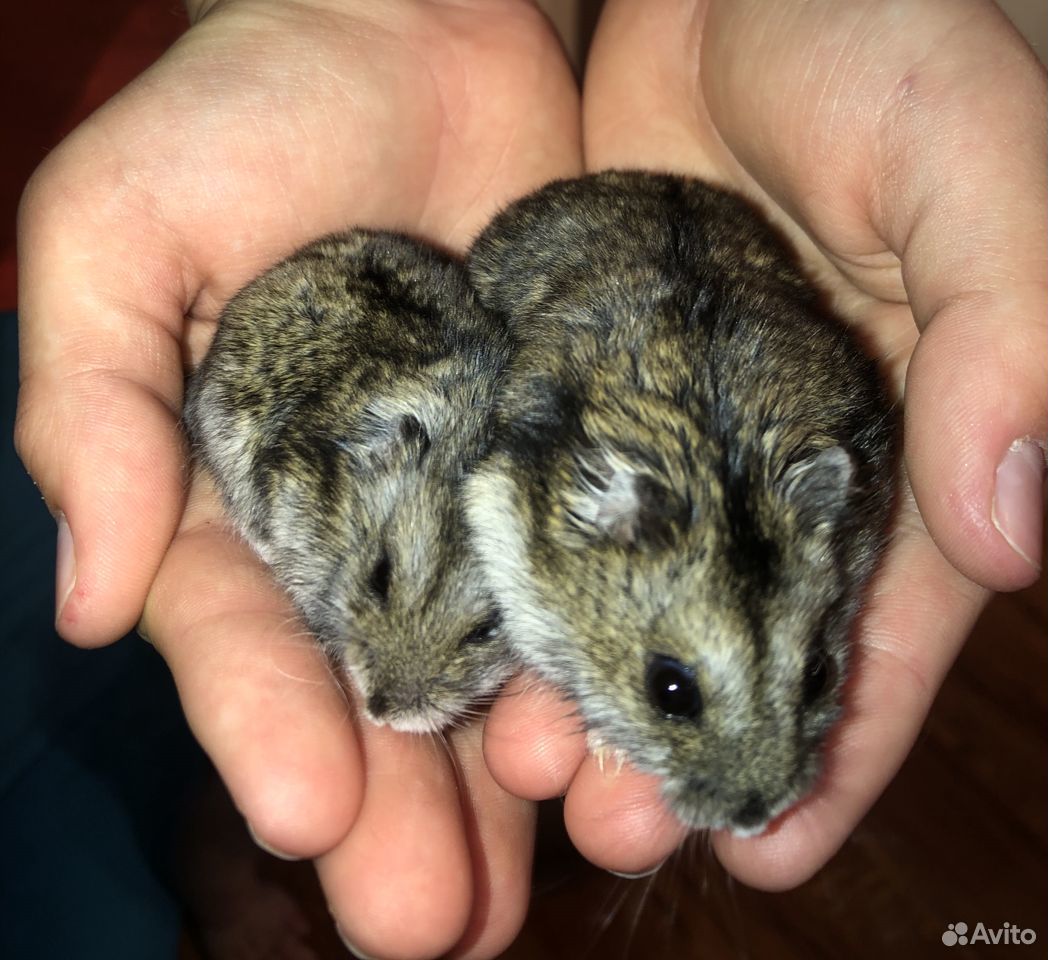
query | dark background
[59, 60]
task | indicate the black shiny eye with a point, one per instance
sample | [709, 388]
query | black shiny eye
[817, 670]
[378, 582]
[484, 632]
[672, 688]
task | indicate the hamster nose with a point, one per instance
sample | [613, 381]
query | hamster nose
[753, 812]
[378, 704]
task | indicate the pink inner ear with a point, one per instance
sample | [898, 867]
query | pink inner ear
[627, 505]
[818, 486]
[618, 506]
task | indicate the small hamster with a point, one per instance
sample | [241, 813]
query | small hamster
[347, 393]
[690, 485]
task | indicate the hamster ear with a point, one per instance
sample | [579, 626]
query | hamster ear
[389, 426]
[611, 500]
[818, 487]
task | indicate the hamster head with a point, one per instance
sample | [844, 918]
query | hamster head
[694, 602]
[345, 395]
[401, 605]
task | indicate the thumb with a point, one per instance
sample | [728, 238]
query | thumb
[969, 225]
[100, 316]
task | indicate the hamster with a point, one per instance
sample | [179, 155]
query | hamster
[346, 395]
[691, 484]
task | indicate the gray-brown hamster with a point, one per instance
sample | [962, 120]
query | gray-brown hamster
[690, 486]
[347, 393]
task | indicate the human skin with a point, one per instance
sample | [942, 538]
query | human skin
[270, 123]
[914, 188]
[267, 124]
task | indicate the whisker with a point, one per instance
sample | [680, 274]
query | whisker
[647, 885]
[305, 680]
[618, 892]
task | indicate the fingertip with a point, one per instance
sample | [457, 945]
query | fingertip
[65, 568]
[295, 775]
[617, 819]
[297, 810]
[975, 423]
[265, 845]
[401, 884]
[535, 748]
[787, 854]
[383, 912]
[109, 461]
[257, 691]
[276, 733]
[534, 740]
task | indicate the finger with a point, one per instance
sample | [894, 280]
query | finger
[500, 829]
[534, 741]
[642, 111]
[255, 687]
[400, 885]
[100, 389]
[535, 747]
[491, 156]
[920, 611]
[616, 818]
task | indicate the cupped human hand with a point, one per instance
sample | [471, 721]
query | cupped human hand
[901, 146]
[269, 123]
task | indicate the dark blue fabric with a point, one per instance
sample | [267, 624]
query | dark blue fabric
[95, 756]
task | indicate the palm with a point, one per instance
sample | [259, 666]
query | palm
[265, 129]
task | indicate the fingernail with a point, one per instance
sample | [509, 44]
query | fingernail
[638, 876]
[356, 951]
[279, 854]
[65, 567]
[1018, 499]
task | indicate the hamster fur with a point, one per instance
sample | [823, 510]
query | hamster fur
[690, 486]
[346, 394]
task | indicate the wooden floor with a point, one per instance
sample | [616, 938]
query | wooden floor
[961, 835]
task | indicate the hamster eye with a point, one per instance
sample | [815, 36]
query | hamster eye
[672, 688]
[378, 582]
[817, 671]
[484, 633]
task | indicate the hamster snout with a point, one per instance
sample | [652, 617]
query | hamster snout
[690, 485]
[346, 396]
